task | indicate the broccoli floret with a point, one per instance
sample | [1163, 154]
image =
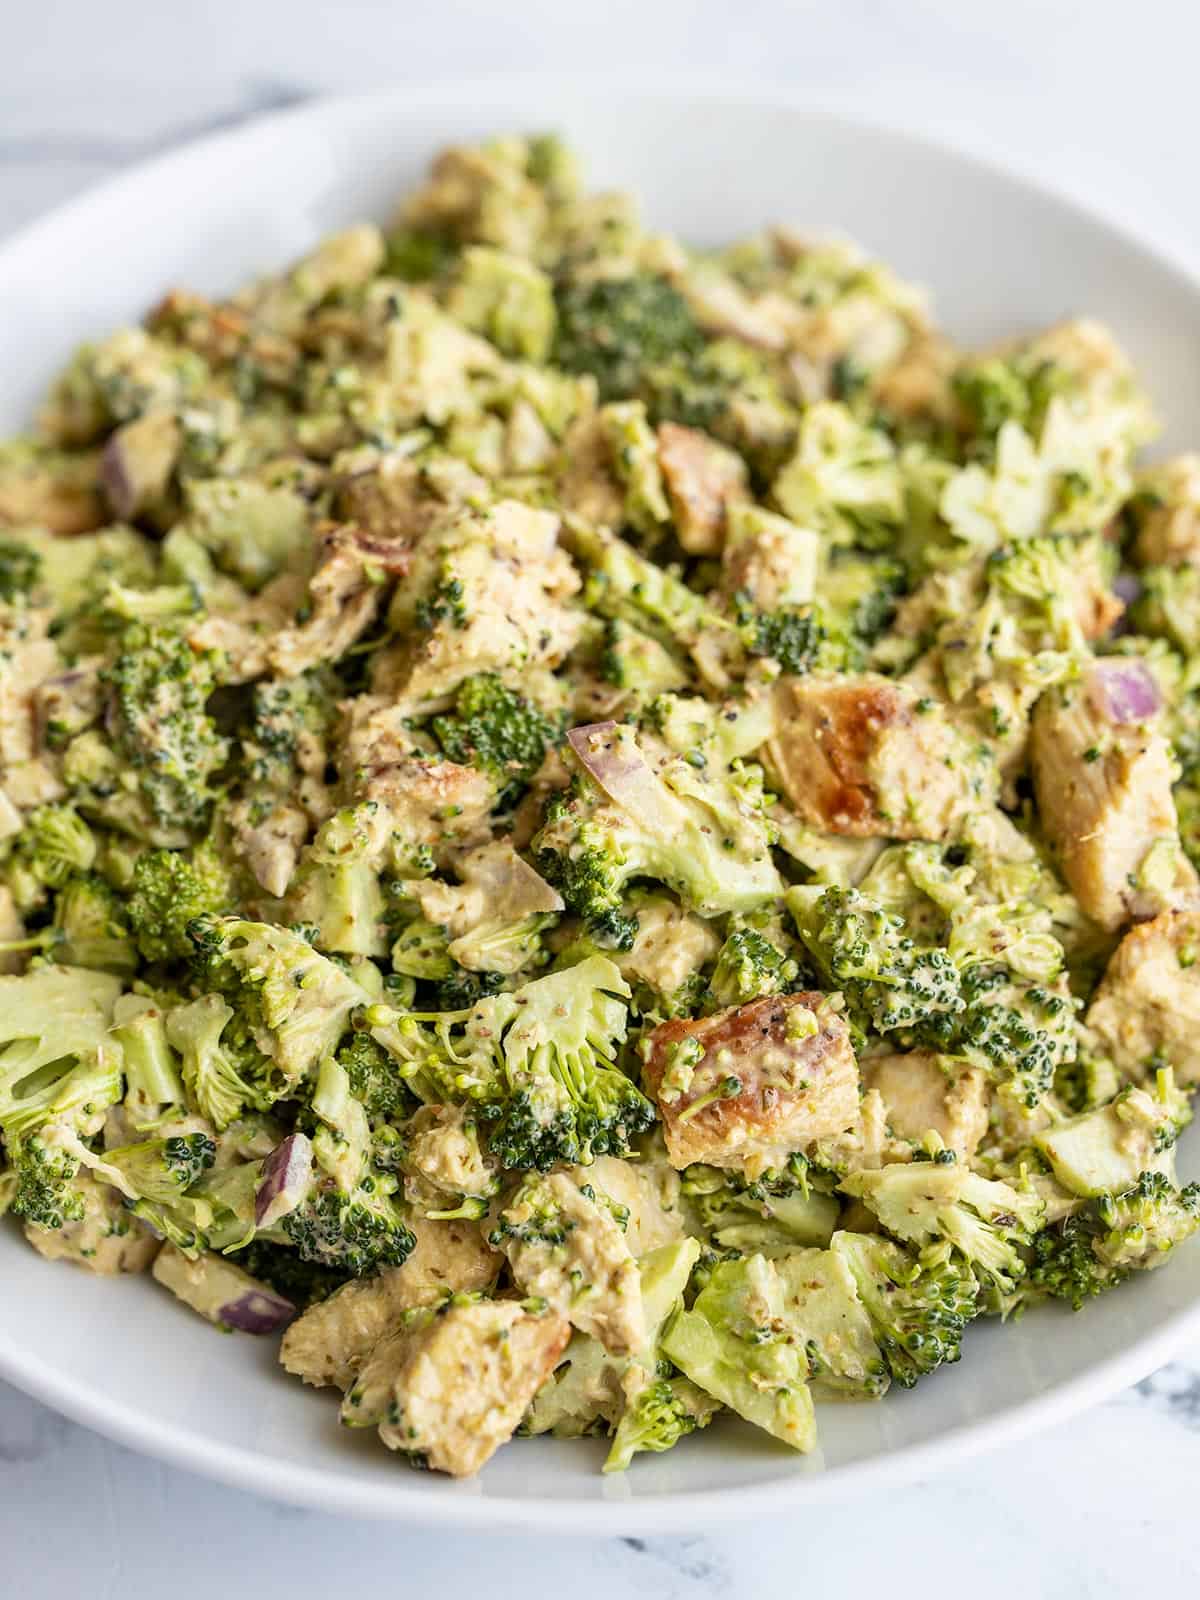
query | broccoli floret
[844, 480]
[296, 1004]
[748, 966]
[791, 635]
[772, 1214]
[59, 1074]
[159, 688]
[988, 1222]
[1142, 1225]
[374, 1079]
[497, 730]
[736, 1344]
[154, 1176]
[919, 1303]
[627, 587]
[89, 928]
[539, 1064]
[617, 328]
[224, 1071]
[350, 1220]
[20, 570]
[890, 984]
[699, 831]
[663, 1412]
[336, 888]
[856, 600]
[1096, 1248]
[358, 1234]
[171, 888]
[1169, 606]
[286, 715]
[55, 843]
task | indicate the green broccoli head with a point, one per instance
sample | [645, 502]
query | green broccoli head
[336, 889]
[171, 888]
[154, 1176]
[890, 984]
[159, 688]
[698, 830]
[497, 730]
[919, 1302]
[792, 636]
[616, 329]
[295, 1003]
[1097, 1247]
[89, 927]
[59, 1073]
[357, 1234]
[1141, 1226]
[775, 1213]
[55, 843]
[20, 570]
[662, 1412]
[538, 1063]
[989, 1223]
[749, 966]
[224, 1072]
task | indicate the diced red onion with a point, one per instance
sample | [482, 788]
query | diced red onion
[1126, 690]
[1127, 586]
[256, 1311]
[116, 478]
[613, 759]
[286, 1180]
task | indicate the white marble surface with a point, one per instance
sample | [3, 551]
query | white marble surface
[1099, 99]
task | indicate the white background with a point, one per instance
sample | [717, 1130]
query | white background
[1098, 99]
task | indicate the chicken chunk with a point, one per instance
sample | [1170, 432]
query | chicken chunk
[450, 1386]
[443, 1159]
[925, 1093]
[330, 1342]
[703, 478]
[1167, 512]
[647, 1190]
[867, 757]
[58, 492]
[751, 1085]
[565, 1245]
[486, 595]
[1146, 1011]
[769, 559]
[1102, 776]
[671, 944]
[106, 1240]
[344, 591]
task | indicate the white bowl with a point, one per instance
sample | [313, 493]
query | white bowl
[1000, 256]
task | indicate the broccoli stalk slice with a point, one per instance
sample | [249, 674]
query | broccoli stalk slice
[152, 1078]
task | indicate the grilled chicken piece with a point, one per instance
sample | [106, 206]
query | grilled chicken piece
[330, 1342]
[868, 757]
[925, 1093]
[1102, 775]
[750, 1085]
[450, 1386]
[1146, 1011]
[703, 479]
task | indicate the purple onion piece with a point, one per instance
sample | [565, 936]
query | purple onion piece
[610, 754]
[286, 1179]
[1126, 690]
[116, 478]
[1127, 586]
[256, 1311]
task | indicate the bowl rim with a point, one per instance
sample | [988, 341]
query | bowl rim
[321, 1488]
